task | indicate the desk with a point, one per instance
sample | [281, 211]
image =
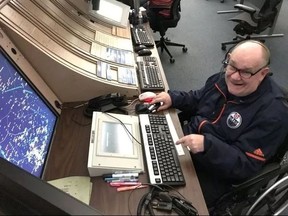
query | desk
[69, 156]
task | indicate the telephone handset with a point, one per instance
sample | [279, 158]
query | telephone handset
[105, 103]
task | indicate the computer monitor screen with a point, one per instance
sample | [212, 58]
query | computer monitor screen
[27, 121]
[22, 193]
[111, 144]
[111, 12]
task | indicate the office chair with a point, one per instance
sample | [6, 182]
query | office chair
[255, 21]
[222, 1]
[160, 20]
[263, 194]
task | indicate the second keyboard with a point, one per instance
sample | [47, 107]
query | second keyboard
[141, 37]
[149, 75]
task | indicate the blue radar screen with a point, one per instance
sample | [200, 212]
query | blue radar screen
[27, 123]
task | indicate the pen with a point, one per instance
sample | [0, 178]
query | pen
[121, 179]
[118, 184]
[126, 188]
[121, 175]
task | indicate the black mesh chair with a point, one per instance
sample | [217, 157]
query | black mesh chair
[263, 194]
[253, 21]
[222, 1]
[160, 20]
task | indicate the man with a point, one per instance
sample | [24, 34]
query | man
[236, 121]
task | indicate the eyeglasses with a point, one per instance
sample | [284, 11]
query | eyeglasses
[243, 73]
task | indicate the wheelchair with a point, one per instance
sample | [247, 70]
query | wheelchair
[266, 193]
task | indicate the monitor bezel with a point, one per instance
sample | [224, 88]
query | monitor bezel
[12, 58]
[123, 23]
[99, 163]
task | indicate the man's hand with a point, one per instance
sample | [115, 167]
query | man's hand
[164, 98]
[195, 142]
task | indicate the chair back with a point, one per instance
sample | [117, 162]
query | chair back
[257, 22]
[267, 14]
[175, 10]
[160, 22]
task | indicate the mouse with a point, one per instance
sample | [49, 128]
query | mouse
[154, 107]
[140, 47]
[144, 52]
[142, 108]
[147, 96]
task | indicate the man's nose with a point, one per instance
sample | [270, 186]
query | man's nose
[236, 75]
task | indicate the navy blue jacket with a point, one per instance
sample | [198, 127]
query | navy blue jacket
[240, 133]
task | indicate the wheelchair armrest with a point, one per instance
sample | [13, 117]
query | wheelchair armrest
[245, 8]
[266, 171]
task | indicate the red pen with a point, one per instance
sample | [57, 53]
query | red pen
[118, 184]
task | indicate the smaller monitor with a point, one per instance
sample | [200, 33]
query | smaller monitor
[115, 144]
[111, 12]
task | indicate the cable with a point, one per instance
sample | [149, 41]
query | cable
[160, 199]
[132, 102]
[61, 107]
[129, 108]
[166, 185]
[144, 201]
[126, 129]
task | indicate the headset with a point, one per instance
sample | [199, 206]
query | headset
[160, 199]
[226, 58]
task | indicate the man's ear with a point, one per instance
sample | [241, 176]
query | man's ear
[265, 71]
[228, 56]
[226, 60]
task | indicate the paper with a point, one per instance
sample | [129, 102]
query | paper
[77, 186]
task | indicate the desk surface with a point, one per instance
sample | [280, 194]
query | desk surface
[69, 156]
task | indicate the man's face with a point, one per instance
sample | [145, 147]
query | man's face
[245, 71]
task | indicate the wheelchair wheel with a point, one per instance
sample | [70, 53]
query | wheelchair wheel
[273, 201]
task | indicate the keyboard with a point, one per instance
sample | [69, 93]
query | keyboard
[159, 136]
[149, 74]
[141, 37]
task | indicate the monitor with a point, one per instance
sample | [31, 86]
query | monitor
[111, 12]
[115, 144]
[136, 6]
[22, 193]
[27, 119]
[95, 4]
